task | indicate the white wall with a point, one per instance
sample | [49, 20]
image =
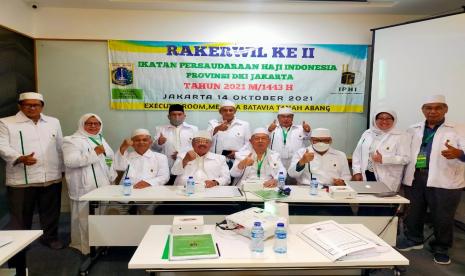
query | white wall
[17, 16]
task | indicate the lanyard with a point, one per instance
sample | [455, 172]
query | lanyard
[429, 138]
[95, 141]
[259, 165]
[285, 132]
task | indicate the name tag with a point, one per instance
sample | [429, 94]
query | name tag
[108, 161]
[421, 161]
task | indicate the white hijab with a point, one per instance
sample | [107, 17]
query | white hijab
[374, 128]
[82, 132]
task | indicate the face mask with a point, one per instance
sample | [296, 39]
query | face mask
[320, 147]
[175, 122]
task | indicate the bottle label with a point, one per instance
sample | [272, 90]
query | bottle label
[281, 235]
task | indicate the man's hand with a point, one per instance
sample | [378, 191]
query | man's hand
[221, 127]
[27, 160]
[99, 149]
[125, 145]
[232, 155]
[451, 152]
[248, 161]
[190, 155]
[271, 183]
[174, 155]
[307, 157]
[357, 177]
[306, 127]
[161, 139]
[272, 126]
[377, 157]
[141, 185]
[210, 183]
[338, 182]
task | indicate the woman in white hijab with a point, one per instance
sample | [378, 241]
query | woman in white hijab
[88, 160]
[382, 151]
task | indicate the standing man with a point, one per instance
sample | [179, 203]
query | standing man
[286, 137]
[30, 144]
[229, 134]
[434, 180]
[174, 138]
[207, 168]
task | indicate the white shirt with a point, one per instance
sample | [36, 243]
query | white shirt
[178, 139]
[85, 170]
[270, 169]
[443, 173]
[295, 140]
[211, 166]
[44, 139]
[395, 149]
[234, 138]
[326, 167]
[151, 167]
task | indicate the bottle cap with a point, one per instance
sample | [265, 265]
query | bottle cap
[280, 224]
[257, 223]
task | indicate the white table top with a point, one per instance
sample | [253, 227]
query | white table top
[235, 253]
[21, 239]
[154, 193]
[301, 194]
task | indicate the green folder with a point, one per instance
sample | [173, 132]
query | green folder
[268, 194]
[187, 247]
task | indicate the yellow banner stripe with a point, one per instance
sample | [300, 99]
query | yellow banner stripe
[124, 46]
[240, 107]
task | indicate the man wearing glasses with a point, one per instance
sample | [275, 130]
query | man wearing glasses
[30, 144]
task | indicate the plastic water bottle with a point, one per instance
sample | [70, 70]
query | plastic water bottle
[190, 186]
[257, 234]
[127, 186]
[281, 180]
[280, 239]
[313, 187]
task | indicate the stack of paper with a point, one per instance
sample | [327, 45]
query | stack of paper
[335, 241]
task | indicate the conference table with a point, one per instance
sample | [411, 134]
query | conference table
[127, 230]
[235, 254]
[19, 240]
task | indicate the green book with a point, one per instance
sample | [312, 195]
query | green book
[189, 247]
[268, 194]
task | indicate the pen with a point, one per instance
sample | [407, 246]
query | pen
[217, 248]
[240, 192]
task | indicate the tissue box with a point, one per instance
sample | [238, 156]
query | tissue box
[342, 192]
[187, 225]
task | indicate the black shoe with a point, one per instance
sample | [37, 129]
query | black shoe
[441, 258]
[55, 244]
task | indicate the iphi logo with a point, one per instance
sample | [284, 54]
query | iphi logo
[347, 77]
[122, 73]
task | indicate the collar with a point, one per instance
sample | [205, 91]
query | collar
[209, 155]
[148, 154]
[22, 118]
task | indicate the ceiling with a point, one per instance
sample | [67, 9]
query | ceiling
[421, 7]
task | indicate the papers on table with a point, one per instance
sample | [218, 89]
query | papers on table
[191, 247]
[4, 240]
[222, 191]
[337, 242]
[268, 194]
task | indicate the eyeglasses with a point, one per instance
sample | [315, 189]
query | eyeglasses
[92, 123]
[31, 106]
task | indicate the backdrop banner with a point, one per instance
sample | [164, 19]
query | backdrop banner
[151, 75]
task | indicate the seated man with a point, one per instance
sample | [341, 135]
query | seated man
[206, 167]
[143, 166]
[327, 165]
[259, 162]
